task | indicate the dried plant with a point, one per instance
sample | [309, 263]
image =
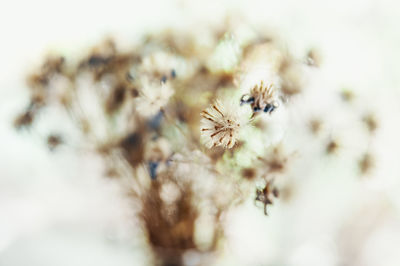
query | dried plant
[173, 120]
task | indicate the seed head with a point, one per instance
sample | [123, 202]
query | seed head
[261, 98]
[220, 125]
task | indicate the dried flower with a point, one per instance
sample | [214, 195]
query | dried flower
[261, 98]
[332, 146]
[371, 122]
[265, 194]
[220, 125]
[121, 103]
[153, 97]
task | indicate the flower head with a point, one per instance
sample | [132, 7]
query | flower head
[261, 98]
[220, 125]
[153, 97]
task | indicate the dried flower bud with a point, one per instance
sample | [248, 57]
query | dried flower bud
[265, 194]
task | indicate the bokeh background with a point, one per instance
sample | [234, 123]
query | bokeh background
[55, 209]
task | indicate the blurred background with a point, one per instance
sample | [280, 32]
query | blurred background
[55, 210]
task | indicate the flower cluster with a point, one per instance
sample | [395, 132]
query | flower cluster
[184, 126]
